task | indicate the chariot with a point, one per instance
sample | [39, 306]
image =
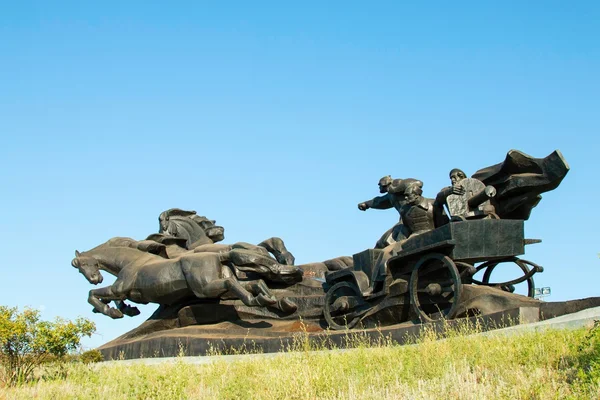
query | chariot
[425, 278]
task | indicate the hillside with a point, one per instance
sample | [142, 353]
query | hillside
[528, 365]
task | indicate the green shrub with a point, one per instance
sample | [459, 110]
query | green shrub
[26, 342]
[91, 356]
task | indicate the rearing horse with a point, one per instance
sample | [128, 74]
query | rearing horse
[148, 278]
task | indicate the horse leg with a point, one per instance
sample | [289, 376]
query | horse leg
[126, 309]
[246, 260]
[260, 287]
[257, 287]
[117, 303]
[97, 298]
[221, 286]
[207, 277]
[251, 247]
[276, 247]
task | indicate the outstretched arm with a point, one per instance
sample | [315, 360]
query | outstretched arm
[379, 203]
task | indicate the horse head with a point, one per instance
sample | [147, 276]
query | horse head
[194, 228]
[215, 232]
[89, 267]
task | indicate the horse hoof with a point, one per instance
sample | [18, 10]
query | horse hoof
[287, 306]
[114, 313]
[131, 311]
[264, 301]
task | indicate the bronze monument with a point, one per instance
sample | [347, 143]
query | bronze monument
[421, 270]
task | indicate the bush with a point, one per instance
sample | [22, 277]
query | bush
[26, 342]
[91, 356]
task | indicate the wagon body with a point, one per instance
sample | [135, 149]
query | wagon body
[428, 270]
[468, 241]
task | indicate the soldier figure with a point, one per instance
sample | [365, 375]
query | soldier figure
[467, 197]
[381, 202]
[393, 190]
[456, 175]
[421, 214]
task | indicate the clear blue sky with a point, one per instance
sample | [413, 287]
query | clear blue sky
[276, 119]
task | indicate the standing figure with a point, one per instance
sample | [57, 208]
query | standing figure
[381, 202]
[419, 215]
[393, 197]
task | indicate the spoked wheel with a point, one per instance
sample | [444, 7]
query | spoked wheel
[528, 268]
[435, 287]
[344, 305]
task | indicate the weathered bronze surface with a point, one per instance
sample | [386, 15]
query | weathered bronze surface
[424, 269]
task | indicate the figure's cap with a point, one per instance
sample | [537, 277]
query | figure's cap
[414, 186]
[457, 170]
[385, 181]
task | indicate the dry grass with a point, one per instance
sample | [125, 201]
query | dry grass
[530, 365]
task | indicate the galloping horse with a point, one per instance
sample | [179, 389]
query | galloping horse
[148, 278]
[201, 234]
[243, 256]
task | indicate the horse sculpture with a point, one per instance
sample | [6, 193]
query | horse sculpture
[202, 234]
[148, 278]
[186, 246]
[241, 256]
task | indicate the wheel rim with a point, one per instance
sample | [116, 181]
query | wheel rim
[340, 321]
[524, 265]
[435, 269]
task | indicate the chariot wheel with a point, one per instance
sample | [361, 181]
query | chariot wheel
[435, 287]
[527, 267]
[343, 303]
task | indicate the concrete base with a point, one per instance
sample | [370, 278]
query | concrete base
[266, 336]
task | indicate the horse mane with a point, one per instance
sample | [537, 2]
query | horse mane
[167, 240]
[175, 212]
[113, 242]
[120, 242]
[188, 229]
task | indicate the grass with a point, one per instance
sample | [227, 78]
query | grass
[551, 364]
